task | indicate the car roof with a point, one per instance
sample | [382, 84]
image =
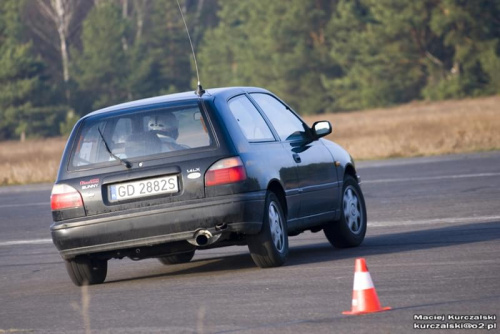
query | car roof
[210, 93]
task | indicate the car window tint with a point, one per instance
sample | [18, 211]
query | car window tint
[140, 134]
[288, 126]
[249, 119]
[123, 129]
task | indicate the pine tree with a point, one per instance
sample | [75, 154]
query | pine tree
[392, 51]
[23, 109]
[380, 47]
[277, 45]
[169, 49]
[470, 31]
[101, 67]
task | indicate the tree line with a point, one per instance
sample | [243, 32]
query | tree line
[61, 59]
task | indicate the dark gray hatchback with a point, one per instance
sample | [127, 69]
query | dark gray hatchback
[166, 176]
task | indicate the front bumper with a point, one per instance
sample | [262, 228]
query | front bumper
[243, 213]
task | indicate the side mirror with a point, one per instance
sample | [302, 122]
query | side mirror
[321, 129]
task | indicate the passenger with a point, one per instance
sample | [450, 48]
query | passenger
[166, 126]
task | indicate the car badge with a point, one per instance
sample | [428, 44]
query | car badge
[90, 184]
[194, 175]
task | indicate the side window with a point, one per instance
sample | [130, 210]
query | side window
[288, 126]
[249, 119]
[88, 147]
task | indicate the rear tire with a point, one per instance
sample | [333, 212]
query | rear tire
[350, 230]
[85, 271]
[269, 248]
[177, 258]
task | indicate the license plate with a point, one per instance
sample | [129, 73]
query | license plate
[143, 188]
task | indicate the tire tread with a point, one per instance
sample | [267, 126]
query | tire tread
[261, 246]
[337, 232]
[84, 271]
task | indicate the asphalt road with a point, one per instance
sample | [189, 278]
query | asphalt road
[432, 249]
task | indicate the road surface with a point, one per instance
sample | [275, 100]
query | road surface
[432, 249]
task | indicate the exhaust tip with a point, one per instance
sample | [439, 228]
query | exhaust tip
[203, 238]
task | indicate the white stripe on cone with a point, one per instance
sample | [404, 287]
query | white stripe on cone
[362, 281]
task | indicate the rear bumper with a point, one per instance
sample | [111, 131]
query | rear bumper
[243, 213]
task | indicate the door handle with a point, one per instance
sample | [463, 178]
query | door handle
[297, 158]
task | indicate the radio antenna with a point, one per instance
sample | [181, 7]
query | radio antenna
[199, 90]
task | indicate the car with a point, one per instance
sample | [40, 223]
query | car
[166, 176]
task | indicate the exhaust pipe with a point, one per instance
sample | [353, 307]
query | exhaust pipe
[204, 238]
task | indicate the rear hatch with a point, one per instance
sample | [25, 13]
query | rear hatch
[142, 158]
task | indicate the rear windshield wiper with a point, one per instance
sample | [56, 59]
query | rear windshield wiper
[123, 161]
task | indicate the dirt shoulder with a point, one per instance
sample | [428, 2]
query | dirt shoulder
[418, 129]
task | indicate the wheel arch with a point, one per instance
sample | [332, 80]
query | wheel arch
[276, 187]
[350, 170]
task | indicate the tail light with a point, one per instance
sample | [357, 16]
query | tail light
[65, 197]
[225, 171]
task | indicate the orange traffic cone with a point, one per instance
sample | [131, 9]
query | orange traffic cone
[364, 296]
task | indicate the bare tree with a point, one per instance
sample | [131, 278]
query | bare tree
[125, 17]
[140, 7]
[66, 17]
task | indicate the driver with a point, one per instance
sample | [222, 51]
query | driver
[166, 126]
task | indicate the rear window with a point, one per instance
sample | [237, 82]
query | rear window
[140, 134]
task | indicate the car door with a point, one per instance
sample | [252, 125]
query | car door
[317, 176]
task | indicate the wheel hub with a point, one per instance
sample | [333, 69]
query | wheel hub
[352, 212]
[276, 227]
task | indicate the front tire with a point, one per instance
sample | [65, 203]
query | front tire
[85, 271]
[269, 248]
[177, 258]
[350, 230]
